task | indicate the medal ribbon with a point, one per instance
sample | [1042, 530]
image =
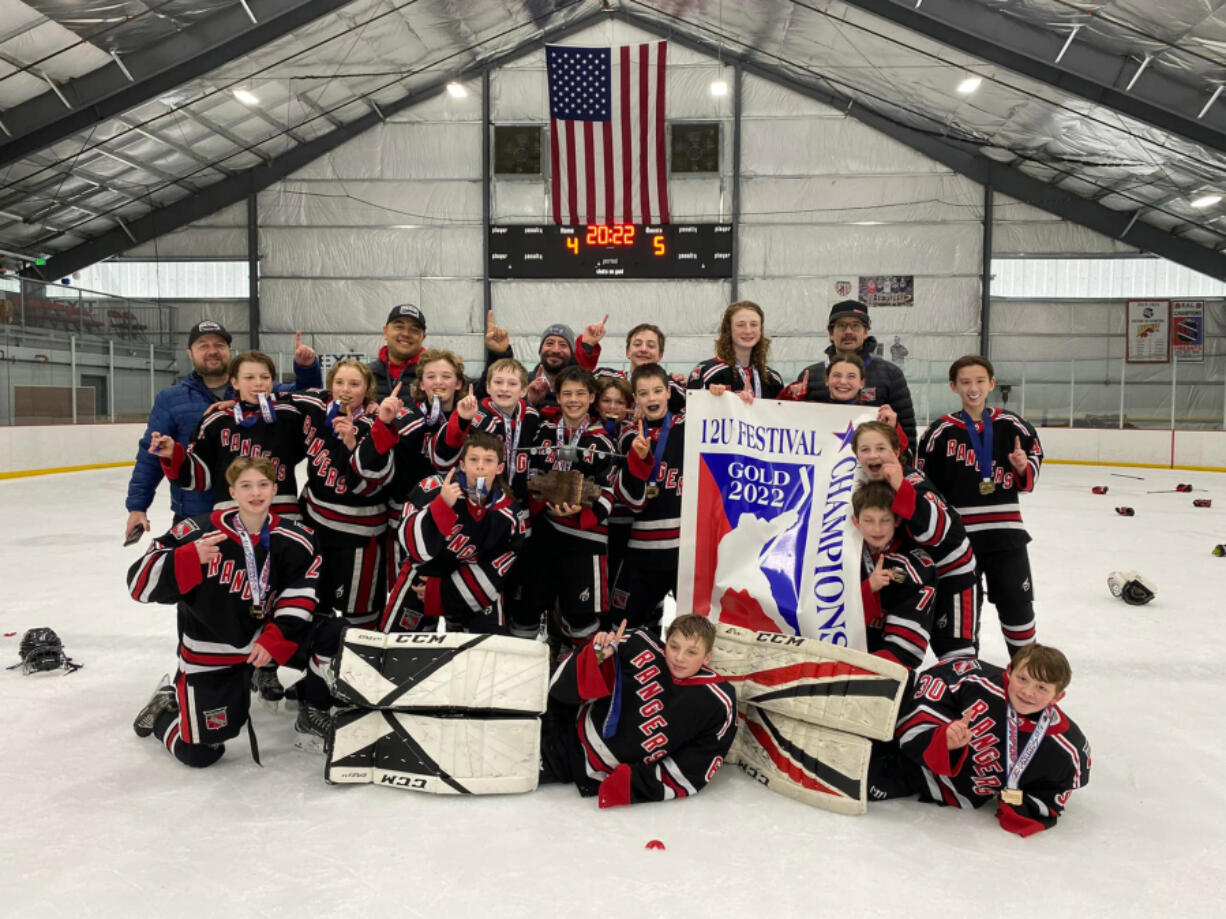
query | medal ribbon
[513, 431]
[661, 443]
[1015, 765]
[752, 380]
[334, 409]
[436, 411]
[258, 582]
[981, 446]
[247, 418]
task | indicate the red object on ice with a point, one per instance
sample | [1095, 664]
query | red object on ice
[1183, 488]
[10, 634]
[654, 844]
[1125, 511]
[1099, 489]
[1203, 502]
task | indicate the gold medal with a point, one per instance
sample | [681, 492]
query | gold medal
[1011, 796]
[897, 575]
[986, 487]
[257, 610]
[653, 491]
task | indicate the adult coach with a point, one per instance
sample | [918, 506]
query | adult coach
[884, 383]
[404, 336]
[177, 411]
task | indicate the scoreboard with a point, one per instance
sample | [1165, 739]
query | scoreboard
[623, 250]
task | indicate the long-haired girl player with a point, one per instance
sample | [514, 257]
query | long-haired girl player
[344, 503]
[741, 352]
[936, 526]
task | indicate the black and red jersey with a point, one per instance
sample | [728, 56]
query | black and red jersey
[517, 432]
[975, 774]
[945, 456]
[665, 738]
[339, 496]
[656, 529]
[222, 438]
[936, 526]
[898, 618]
[588, 530]
[463, 553]
[714, 371]
[217, 626]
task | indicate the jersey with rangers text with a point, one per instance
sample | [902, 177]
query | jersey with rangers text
[667, 738]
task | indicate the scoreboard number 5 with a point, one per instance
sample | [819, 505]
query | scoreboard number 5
[657, 244]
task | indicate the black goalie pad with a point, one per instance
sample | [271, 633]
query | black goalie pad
[437, 754]
[426, 671]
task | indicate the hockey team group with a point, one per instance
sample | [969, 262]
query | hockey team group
[424, 504]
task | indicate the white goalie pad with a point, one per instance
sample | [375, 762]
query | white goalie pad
[816, 765]
[811, 680]
[425, 671]
[442, 755]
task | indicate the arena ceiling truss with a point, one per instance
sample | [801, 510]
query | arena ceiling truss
[120, 122]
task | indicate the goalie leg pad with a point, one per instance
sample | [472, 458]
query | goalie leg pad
[434, 754]
[811, 680]
[821, 767]
[428, 671]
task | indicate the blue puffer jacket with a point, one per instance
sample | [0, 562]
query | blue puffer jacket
[177, 411]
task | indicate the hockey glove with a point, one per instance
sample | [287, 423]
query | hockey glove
[1131, 587]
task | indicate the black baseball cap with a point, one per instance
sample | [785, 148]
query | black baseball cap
[849, 309]
[207, 327]
[407, 311]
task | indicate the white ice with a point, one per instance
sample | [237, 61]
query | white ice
[97, 822]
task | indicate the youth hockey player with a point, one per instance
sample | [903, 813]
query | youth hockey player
[649, 483]
[614, 400]
[982, 459]
[935, 526]
[461, 534]
[644, 345]
[244, 581]
[259, 424]
[654, 723]
[979, 734]
[741, 350]
[347, 510]
[899, 586]
[566, 557]
[844, 386]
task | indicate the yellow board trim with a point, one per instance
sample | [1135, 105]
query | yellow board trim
[25, 473]
[1060, 462]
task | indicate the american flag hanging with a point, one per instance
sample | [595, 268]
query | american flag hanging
[606, 148]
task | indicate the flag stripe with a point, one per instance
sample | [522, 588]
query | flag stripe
[607, 143]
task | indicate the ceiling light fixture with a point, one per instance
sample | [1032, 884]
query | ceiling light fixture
[969, 85]
[246, 97]
[719, 87]
[1207, 201]
[457, 90]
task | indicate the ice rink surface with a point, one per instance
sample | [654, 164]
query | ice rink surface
[99, 823]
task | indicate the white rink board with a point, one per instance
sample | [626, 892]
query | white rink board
[99, 823]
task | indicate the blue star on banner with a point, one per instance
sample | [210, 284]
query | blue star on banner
[845, 436]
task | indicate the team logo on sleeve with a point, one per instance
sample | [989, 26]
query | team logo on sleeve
[215, 719]
[185, 527]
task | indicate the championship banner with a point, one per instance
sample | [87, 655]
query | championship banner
[767, 541]
[1188, 330]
